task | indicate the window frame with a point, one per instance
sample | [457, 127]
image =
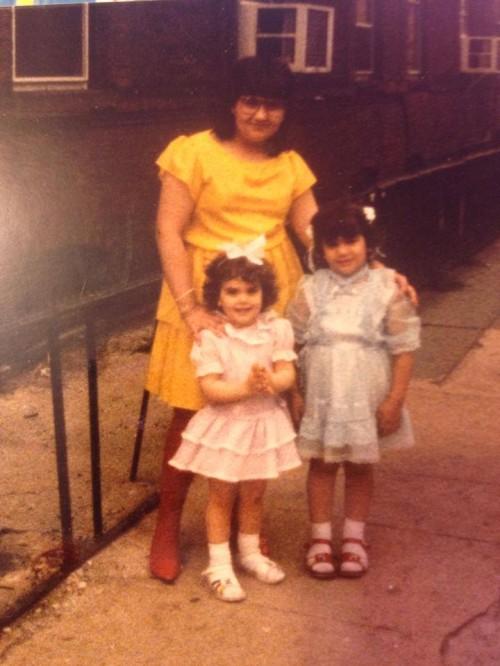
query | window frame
[415, 7]
[467, 40]
[78, 82]
[493, 56]
[248, 34]
[368, 26]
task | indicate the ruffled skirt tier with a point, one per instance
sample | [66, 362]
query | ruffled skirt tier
[220, 444]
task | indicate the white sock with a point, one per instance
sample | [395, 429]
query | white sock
[354, 529]
[254, 562]
[220, 574]
[248, 544]
[320, 531]
[219, 554]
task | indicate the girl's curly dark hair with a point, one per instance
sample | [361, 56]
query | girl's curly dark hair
[222, 269]
[340, 219]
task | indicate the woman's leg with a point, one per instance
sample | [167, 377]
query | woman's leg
[165, 556]
[220, 574]
[320, 493]
[358, 496]
[250, 522]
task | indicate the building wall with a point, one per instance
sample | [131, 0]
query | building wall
[77, 170]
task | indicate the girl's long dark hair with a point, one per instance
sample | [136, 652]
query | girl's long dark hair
[261, 77]
[340, 219]
[221, 269]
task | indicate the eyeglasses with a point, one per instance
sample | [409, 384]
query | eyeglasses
[251, 103]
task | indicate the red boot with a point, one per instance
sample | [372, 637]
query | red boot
[164, 559]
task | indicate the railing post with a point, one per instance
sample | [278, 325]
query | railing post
[95, 443]
[68, 546]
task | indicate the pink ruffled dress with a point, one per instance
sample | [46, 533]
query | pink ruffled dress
[252, 438]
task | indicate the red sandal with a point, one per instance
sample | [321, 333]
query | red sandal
[348, 557]
[325, 557]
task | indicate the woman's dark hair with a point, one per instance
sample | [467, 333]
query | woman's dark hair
[222, 269]
[260, 77]
[340, 219]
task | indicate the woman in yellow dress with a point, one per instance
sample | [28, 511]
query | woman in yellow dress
[229, 184]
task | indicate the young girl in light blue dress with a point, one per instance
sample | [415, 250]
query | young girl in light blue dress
[358, 332]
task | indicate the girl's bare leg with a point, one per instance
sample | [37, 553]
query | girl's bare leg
[250, 520]
[358, 496]
[250, 506]
[320, 490]
[359, 483]
[221, 496]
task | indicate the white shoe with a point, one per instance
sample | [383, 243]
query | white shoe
[262, 568]
[223, 583]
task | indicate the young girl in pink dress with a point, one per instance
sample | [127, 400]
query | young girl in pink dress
[243, 436]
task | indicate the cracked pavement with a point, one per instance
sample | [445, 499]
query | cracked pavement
[432, 595]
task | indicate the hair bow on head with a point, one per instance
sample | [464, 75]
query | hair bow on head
[253, 250]
[370, 214]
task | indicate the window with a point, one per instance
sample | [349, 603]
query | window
[58, 57]
[300, 34]
[480, 52]
[363, 44]
[414, 37]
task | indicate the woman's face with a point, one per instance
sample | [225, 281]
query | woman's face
[347, 255]
[257, 119]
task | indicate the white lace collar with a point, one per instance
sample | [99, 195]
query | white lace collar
[343, 282]
[255, 334]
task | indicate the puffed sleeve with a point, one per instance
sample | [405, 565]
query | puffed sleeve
[402, 325]
[299, 311]
[304, 178]
[180, 158]
[283, 341]
[206, 355]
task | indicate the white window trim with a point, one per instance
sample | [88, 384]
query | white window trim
[494, 67]
[54, 82]
[247, 32]
[411, 71]
[366, 25]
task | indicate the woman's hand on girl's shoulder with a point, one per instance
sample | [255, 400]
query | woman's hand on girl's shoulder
[402, 282]
[406, 288]
[200, 319]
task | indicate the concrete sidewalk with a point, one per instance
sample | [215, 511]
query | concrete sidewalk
[431, 596]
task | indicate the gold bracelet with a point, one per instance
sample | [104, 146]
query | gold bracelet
[186, 293]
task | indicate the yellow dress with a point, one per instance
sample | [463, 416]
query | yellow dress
[235, 200]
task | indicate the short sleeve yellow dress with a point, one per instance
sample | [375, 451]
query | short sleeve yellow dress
[235, 200]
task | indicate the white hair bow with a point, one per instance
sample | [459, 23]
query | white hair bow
[370, 214]
[253, 250]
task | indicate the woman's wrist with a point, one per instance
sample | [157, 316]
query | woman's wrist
[187, 308]
[395, 398]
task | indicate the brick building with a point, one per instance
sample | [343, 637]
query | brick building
[396, 97]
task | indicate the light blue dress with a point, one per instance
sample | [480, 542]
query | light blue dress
[350, 327]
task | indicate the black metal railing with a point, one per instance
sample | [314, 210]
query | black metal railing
[139, 298]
